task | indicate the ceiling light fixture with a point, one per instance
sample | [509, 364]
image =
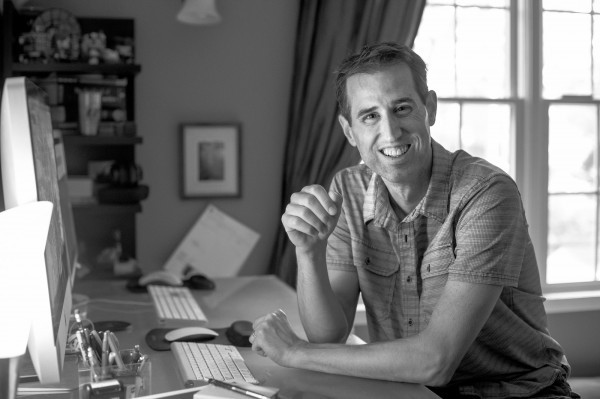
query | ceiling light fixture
[199, 12]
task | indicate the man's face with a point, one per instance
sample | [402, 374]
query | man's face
[390, 124]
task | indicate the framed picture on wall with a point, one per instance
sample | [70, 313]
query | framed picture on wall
[210, 160]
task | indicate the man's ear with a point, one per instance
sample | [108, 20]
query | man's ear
[431, 105]
[347, 129]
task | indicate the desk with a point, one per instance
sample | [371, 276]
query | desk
[238, 298]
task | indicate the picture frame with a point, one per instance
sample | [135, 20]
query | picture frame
[210, 161]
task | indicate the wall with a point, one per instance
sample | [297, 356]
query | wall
[238, 71]
[577, 332]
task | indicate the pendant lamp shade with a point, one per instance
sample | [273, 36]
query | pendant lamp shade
[199, 12]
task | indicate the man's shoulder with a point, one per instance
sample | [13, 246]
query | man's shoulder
[469, 170]
[471, 176]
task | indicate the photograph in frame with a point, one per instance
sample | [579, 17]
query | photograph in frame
[210, 161]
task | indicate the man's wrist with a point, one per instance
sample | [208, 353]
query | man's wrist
[297, 354]
[312, 253]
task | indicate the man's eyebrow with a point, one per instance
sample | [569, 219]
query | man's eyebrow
[405, 100]
[374, 108]
[365, 111]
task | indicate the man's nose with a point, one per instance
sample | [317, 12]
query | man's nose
[390, 127]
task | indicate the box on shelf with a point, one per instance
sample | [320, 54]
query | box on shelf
[80, 186]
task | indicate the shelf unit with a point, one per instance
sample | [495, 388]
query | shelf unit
[95, 222]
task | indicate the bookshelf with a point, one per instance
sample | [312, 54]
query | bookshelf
[97, 158]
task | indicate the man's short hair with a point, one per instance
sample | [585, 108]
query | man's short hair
[373, 58]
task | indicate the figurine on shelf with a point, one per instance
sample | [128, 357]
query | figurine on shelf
[110, 56]
[93, 45]
[65, 47]
[35, 46]
[124, 46]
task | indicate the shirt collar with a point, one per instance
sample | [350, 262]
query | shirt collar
[436, 201]
[434, 204]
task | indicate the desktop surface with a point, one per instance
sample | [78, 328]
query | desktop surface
[237, 298]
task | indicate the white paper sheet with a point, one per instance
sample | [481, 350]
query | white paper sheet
[217, 246]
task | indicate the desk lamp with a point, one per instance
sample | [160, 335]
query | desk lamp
[23, 234]
[199, 12]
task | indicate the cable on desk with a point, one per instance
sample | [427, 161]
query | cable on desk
[112, 301]
[124, 306]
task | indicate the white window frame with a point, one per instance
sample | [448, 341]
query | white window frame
[529, 145]
[532, 157]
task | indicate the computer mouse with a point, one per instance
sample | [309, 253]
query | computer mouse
[199, 282]
[239, 333]
[160, 277]
[192, 333]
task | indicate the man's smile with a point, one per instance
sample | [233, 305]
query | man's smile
[394, 152]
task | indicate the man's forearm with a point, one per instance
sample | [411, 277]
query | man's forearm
[320, 311]
[404, 360]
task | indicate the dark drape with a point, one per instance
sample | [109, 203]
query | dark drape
[329, 30]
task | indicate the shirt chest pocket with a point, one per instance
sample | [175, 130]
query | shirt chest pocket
[378, 272]
[434, 276]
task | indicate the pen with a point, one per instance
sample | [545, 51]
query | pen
[78, 319]
[87, 337]
[82, 347]
[105, 351]
[96, 342]
[112, 341]
[143, 359]
[136, 354]
[93, 364]
[237, 389]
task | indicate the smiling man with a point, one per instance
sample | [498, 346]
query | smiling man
[435, 242]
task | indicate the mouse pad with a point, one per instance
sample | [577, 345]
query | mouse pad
[134, 286]
[155, 338]
[111, 325]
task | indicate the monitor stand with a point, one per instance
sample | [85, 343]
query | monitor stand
[9, 377]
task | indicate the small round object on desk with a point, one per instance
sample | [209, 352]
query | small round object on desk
[155, 339]
[239, 333]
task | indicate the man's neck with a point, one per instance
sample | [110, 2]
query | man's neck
[405, 199]
[406, 196]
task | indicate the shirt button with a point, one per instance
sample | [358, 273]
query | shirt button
[367, 261]
[408, 279]
[428, 268]
[410, 322]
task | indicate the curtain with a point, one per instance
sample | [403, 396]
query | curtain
[316, 148]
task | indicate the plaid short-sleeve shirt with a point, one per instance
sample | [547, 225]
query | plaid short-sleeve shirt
[470, 226]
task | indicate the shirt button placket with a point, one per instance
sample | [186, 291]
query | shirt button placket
[408, 281]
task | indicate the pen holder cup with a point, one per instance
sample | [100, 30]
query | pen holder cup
[134, 378]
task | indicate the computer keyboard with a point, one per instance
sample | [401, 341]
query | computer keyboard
[198, 362]
[175, 306]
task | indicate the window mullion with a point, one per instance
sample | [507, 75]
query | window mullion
[532, 159]
[456, 93]
[592, 52]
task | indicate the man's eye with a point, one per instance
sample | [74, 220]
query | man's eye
[403, 110]
[368, 118]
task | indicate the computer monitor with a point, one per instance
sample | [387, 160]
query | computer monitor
[30, 173]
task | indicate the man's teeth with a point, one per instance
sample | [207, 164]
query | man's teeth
[395, 151]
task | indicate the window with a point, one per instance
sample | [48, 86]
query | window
[466, 45]
[518, 83]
